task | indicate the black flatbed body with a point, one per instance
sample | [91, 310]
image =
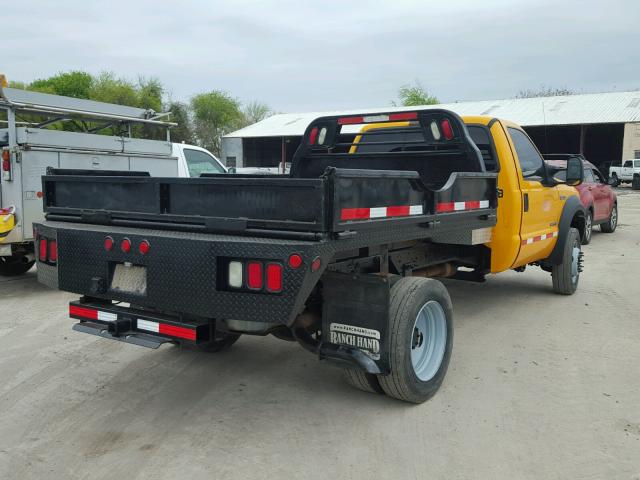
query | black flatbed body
[341, 211]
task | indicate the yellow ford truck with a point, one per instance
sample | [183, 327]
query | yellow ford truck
[341, 255]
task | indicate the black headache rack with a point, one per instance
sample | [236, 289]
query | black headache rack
[345, 177]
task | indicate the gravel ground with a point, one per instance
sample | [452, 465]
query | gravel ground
[540, 386]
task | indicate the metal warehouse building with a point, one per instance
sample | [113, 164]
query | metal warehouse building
[605, 127]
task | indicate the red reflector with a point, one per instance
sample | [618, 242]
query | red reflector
[354, 213]
[350, 120]
[274, 277]
[53, 251]
[83, 312]
[313, 135]
[447, 130]
[295, 260]
[446, 207]
[254, 275]
[315, 265]
[174, 331]
[143, 248]
[400, 211]
[108, 244]
[43, 249]
[403, 116]
[125, 245]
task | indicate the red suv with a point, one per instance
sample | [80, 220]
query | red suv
[597, 197]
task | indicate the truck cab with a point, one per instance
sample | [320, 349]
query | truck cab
[532, 205]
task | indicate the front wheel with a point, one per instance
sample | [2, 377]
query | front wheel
[566, 275]
[588, 228]
[420, 340]
[13, 266]
[610, 225]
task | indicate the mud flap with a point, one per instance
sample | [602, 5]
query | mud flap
[355, 325]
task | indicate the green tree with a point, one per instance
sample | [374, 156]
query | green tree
[180, 115]
[108, 88]
[214, 114]
[255, 111]
[69, 84]
[545, 92]
[415, 95]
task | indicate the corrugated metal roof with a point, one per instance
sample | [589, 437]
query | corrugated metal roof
[612, 107]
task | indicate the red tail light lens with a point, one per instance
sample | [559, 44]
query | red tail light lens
[43, 249]
[316, 264]
[53, 251]
[274, 277]
[313, 135]
[143, 248]
[6, 160]
[447, 130]
[125, 245]
[295, 261]
[108, 244]
[254, 275]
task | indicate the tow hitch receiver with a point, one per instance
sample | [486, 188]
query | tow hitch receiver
[138, 327]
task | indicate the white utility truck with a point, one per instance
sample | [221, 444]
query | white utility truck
[32, 140]
[628, 172]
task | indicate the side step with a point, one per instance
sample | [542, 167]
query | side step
[101, 330]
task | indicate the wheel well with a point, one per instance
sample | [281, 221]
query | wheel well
[578, 221]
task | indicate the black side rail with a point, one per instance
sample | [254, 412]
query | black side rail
[96, 173]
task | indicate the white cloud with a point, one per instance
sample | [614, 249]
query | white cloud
[300, 56]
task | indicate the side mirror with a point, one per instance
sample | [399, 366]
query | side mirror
[231, 170]
[575, 172]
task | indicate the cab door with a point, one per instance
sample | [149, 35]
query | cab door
[541, 205]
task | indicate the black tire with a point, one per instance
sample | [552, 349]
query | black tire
[635, 183]
[408, 297]
[588, 228]
[612, 222]
[224, 342]
[367, 382]
[565, 279]
[14, 266]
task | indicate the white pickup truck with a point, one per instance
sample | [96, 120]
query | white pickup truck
[628, 172]
[28, 149]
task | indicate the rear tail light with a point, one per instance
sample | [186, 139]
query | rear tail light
[6, 165]
[125, 245]
[316, 264]
[108, 244]
[313, 135]
[274, 277]
[447, 130]
[43, 249]
[255, 277]
[235, 274]
[144, 247]
[295, 261]
[53, 251]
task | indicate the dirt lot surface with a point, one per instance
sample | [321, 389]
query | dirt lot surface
[540, 386]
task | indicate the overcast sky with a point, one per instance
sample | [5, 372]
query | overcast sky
[298, 55]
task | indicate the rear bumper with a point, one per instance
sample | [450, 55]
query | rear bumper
[136, 326]
[184, 271]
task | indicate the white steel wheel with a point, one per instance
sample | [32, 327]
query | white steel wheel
[420, 339]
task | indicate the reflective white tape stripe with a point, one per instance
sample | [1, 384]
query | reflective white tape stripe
[375, 118]
[543, 236]
[555, 234]
[377, 212]
[148, 326]
[107, 317]
[415, 210]
[484, 203]
[529, 240]
[459, 206]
